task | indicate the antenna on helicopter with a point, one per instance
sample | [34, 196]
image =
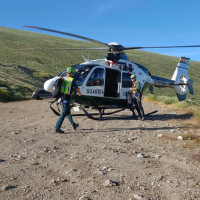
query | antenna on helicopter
[85, 59]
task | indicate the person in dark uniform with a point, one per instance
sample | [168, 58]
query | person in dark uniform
[67, 87]
[136, 96]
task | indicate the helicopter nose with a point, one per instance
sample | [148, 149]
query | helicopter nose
[48, 85]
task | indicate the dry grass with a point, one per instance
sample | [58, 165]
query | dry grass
[190, 145]
[170, 137]
[190, 136]
[191, 113]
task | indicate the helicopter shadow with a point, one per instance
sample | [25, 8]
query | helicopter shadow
[129, 129]
[156, 117]
[164, 117]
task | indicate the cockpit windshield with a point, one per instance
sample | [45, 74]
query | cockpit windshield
[81, 72]
[62, 74]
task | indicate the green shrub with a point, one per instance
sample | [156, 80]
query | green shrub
[164, 99]
[4, 94]
[170, 101]
[20, 90]
[190, 136]
[151, 97]
[42, 75]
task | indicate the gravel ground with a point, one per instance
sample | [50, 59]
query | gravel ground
[117, 158]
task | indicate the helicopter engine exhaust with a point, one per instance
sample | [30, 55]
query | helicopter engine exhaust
[182, 82]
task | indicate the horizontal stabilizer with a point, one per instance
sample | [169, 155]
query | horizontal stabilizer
[190, 83]
[150, 87]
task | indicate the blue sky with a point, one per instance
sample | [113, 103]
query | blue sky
[128, 22]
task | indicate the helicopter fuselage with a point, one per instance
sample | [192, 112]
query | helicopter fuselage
[105, 83]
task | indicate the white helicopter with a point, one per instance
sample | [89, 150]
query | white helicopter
[104, 82]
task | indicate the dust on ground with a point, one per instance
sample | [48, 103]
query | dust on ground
[117, 158]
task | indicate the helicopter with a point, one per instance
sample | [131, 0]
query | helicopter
[104, 82]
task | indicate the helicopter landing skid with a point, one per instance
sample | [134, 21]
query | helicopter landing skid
[155, 111]
[101, 113]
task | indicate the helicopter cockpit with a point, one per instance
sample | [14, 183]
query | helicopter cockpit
[82, 71]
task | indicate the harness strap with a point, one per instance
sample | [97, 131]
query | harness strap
[54, 111]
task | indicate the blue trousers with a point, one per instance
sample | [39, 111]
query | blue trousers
[137, 103]
[65, 113]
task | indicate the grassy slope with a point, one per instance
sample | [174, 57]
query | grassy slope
[44, 64]
[47, 63]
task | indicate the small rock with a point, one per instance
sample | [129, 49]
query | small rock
[8, 187]
[157, 156]
[46, 150]
[1, 160]
[138, 197]
[60, 192]
[159, 178]
[160, 135]
[15, 133]
[140, 155]
[180, 137]
[104, 170]
[84, 198]
[130, 187]
[110, 183]
[53, 181]
[127, 140]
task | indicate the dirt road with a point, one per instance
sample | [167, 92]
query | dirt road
[115, 159]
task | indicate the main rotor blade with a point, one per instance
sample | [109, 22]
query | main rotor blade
[43, 49]
[127, 48]
[112, 47]
[70, 34]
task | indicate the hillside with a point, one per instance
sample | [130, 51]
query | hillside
[16, 60]
[24, 66]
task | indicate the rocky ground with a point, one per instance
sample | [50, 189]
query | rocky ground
[112, 159]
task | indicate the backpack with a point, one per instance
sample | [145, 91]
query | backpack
[56, 93]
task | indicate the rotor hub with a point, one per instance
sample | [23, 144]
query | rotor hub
[115, 47]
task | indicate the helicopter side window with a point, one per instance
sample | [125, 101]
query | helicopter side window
[126, 80]
[96, 78]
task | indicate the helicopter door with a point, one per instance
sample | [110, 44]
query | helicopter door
[111, 83]
[95, 83]
[126, 84]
